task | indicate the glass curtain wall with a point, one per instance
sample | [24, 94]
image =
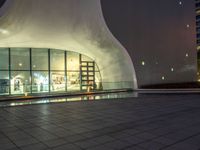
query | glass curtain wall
[38, 70]
[4, 71]
[73, 71]
[57, 70]
[20, 70]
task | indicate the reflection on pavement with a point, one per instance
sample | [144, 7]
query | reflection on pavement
[69, 99]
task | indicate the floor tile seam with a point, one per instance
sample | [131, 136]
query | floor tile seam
[24, 120]
[162, 136]
[114, 139]
[24, 131]
[67, 142]
[125, 128]
[160, 116]
[38, 126]
[18, 117]
[147, 140]
[151, 139]
[10, 140]
[88, 138]
[167, 146]
[87, 147]
[39, 141]
[21, 147]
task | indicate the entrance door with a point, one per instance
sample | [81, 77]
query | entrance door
[87, 70]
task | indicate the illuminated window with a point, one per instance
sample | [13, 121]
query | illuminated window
[4, 62]
[57, 60]
[39, 59]
[20, 59]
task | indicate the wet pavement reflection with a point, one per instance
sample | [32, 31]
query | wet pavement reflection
[89, 97]
[105, 96]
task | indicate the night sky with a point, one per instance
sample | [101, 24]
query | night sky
[159, 35]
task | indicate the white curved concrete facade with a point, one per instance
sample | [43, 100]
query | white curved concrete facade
[75, 25]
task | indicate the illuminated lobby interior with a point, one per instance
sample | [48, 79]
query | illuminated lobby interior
[27, 70]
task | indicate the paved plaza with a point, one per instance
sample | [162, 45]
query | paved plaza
[151, 122]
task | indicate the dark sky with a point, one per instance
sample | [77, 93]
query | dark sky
[2, 2]
[159, 34]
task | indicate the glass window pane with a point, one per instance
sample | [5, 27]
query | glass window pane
[4, 82]
[40, 81]
[90, 68]
[20, 82]
[84, 78]
[84, 64]
[58, 81]
[73, 81]
[4, 59]
[73, 63]
[39, 59]
[57, 60]
[84, 68]
[84, 73]
[91, 78]
[20, 59]
[91, 64]
[90, 73]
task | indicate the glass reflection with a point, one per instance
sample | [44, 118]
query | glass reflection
[57, 60]
[73, 63]
[73, 81]
[38, 70]
[58, 81]
[4, 82]
[20, 59]
[40, 82]
[110, 96]
[4, 59]
[39, 59]
[20, 82]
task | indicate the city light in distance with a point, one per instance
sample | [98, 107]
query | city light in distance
[163, 78]
[143, 63]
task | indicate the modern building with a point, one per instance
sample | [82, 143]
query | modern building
[198, 35]
[60, 46]
[79, 45]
